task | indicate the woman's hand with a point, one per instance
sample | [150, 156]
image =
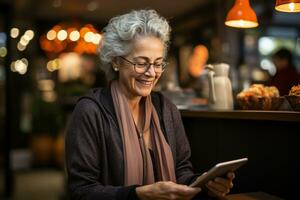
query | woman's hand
[219, 187]
[166, 190]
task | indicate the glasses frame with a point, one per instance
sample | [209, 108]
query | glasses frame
[164, 64]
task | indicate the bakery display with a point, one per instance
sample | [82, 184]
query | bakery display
[294, 97]
[259, 97]
[295, 91]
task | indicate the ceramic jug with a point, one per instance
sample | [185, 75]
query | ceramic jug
[220, 90]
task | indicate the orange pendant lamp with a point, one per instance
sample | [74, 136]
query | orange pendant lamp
[241, 15]
[288, 5]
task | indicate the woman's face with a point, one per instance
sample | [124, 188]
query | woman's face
[144, 49]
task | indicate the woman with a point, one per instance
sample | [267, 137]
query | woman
[124, 141]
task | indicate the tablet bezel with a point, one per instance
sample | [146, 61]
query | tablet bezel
[218, 170]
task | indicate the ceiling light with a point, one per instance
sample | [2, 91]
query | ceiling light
[241, 15]
[287, 5]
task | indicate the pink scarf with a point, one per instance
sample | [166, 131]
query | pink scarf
[138, 168]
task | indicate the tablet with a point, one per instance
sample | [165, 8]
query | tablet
[219, 170]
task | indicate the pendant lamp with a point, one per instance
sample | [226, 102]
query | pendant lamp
[288, 5]
[241, 15]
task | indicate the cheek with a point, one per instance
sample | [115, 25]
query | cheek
[157, 78]
[126, 76]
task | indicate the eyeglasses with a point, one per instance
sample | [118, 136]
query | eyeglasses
[142, 67]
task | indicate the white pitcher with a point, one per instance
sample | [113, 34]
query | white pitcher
[220, 90]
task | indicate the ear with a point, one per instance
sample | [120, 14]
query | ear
[115, 64]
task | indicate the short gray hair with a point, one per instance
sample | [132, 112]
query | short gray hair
[122, 30]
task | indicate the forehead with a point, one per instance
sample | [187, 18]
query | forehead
[150, 47]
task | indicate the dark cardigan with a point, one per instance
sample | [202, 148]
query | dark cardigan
[94, 151]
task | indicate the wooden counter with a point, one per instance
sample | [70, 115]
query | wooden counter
[244, 114]
[270, 140]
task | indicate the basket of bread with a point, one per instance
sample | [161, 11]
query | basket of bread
[294, 97]
[259, 97]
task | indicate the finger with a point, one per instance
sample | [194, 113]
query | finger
[186, 190]
[225, 182]
[231, 175]
[218, 187]
[215, 193]
[187, 196]
[182, 191]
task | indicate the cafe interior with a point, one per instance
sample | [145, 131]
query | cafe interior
[221, 75]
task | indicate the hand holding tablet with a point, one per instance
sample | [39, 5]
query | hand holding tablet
[219, 170]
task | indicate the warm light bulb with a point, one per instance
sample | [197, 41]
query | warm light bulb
[62, 35]
[51, 35]
[291, 6]
[89, 36]
[241, 23]
[74, 36]
[288, 6]
[97, 38]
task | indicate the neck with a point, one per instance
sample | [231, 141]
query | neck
[137, 113]
[133, 101]
[134, 104]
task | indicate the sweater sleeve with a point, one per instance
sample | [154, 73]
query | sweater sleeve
[83, 156]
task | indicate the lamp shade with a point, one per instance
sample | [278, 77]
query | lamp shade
[241, 15]
[288, 5]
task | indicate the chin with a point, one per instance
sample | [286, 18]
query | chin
[144, 92]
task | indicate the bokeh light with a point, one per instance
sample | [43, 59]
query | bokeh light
[74, 36]
[14, 32]
[51, 35]
[62, 35]
[3, 52]
[71, 38]
[29, 34]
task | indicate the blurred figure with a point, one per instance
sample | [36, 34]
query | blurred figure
[286, 75]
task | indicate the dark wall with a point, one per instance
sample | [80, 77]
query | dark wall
[271, 146]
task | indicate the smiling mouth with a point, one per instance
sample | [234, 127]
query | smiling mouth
[145, 83]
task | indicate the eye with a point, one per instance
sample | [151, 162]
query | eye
[158, 65]
[142, 64]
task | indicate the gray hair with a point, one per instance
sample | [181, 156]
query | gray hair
[122, 30]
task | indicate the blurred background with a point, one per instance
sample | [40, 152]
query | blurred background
[48, 58]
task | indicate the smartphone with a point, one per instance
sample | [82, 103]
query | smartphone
[219, 170]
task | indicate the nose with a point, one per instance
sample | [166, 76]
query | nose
[150, 71]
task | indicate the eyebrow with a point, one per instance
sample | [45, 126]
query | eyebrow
[146, 58]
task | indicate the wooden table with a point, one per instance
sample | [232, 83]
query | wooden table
[252, 196]
[248, 196]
